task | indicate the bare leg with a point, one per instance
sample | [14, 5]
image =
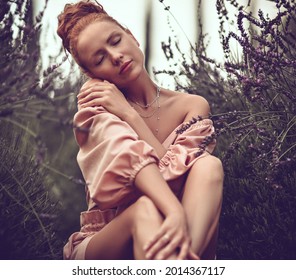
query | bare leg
[202, 202]
[114, 241]
[127, 233]
[147, 221]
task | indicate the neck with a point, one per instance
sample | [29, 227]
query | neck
[143, 90]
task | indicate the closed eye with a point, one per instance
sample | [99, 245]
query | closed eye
[99, 60]
[115, 41]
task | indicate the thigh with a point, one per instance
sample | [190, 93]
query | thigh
[204, 183]
[202, 200]
[114, 241]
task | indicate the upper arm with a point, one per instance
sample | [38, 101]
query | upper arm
[196, 106]
[110, 156]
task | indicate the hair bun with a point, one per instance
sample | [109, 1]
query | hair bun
[71, 15]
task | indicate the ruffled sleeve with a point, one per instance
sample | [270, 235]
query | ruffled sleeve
[110, 156]
[189, 143]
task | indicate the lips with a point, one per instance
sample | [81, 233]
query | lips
[125, 66]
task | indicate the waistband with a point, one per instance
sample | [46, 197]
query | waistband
[97, 217]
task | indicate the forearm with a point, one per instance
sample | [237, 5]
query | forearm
[143, 131]
[151, 183]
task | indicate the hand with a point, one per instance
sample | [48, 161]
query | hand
[102, 93]
[171, 238]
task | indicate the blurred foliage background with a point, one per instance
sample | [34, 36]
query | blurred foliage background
[41, 193]
[253, 105]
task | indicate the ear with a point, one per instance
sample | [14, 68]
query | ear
[131, 34]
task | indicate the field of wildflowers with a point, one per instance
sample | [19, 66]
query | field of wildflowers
[253, 107]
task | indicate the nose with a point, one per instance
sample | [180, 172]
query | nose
[116, 57]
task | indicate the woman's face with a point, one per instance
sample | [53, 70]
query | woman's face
[110, 53]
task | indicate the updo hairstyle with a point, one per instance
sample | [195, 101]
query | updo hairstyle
[75, 18]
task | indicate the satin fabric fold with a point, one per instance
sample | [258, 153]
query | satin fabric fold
[110, 156]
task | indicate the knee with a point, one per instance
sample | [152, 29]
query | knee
[145, 209]
[211, 166]
[216, 166]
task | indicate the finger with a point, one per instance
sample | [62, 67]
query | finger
[92, 103]
[158, 241]
[91, 96]
[183, 251]
[157, 246]
[90, 83]
[84, 92]
[96, 90]
[91, 86]
[87, 91]
[168, 250]
[156, 237]
[192, 255]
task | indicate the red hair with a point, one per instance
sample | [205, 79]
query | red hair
[77, 17]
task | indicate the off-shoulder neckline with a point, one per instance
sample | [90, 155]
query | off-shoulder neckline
[173, 135]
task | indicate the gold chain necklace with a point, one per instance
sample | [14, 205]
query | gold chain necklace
[148, 104]
[155, 111]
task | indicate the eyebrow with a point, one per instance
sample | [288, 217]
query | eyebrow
[108, 41]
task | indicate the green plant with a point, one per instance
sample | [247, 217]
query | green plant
[253, 105]
[33, 108]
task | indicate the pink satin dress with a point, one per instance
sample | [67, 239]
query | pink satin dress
[110, 156]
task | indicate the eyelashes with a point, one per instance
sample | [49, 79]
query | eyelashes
[99, 61]
[114, 42]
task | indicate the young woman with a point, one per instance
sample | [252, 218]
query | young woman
[154, 190]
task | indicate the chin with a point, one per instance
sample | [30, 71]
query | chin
[132, 78]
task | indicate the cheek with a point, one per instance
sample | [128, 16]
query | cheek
[137, 55]
[132, 48]
[138, 52]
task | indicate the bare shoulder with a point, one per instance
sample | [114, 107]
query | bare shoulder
[191, 104]
[197, 105]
